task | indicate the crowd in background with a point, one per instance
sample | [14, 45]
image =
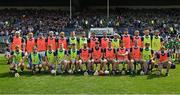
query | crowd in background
[43, 20]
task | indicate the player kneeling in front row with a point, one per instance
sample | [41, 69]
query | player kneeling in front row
[136, 56]
[163, 57]
[18, 61]
[109, 55]
[35, 60]
[122, 58]
[73, 64]
[147, 59]
[61, 58]
[97, 54]
[50, 60]
[85, 55]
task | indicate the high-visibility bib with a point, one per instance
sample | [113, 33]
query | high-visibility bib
[104, 42]
[127, 41]
[52, 42]
[146, 54]
[17, 56]
[85, 54]
[92, 42]
[138, 40]
[136, 52]
[115, 43]
[29, 45]
[50, 56]
[63, 42]
[16, 41]
[96, 53]
[35, 58]
[147, 39]
[109, 53]
[61, 54]
[82, 41]
[73, 40]
[156, 43]
[121, 51]
[41, 44]
[73, 54]
[163, 57]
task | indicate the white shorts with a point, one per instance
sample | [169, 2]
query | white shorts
[113, 60]
[73, 61]
[61, 61]
[103, 60]
[119, 61]
[42, 53]
[7, 53]
[177, 51]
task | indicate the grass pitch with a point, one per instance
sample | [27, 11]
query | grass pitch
[79, 84]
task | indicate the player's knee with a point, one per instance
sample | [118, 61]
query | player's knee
[65, 62]
[105, 60]
[92, 60]
[68, 62]
[36, 66]
[89, 61]
[80, 61]
[40, 65]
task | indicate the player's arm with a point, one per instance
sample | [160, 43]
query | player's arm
[89, 52]
[131, 54]
[78, 54]
[114, 50]
[169, 57]
[11, 55]
[23, 57]
[36, 42]
[66, 54]
[46, 42]
[55, 54]
[88, 42]
[118, 53]
[142, 39]
[92, 50]
[131, 40]
[158, 57]
[56, 41]
[152, 55]
[102, 53]
[126, 52]
[39, 56]
[141, 53]
[46, 59]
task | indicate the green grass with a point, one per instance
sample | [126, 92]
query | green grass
[74, 84]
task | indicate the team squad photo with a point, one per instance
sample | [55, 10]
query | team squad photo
[90, 47]
[106, 55]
